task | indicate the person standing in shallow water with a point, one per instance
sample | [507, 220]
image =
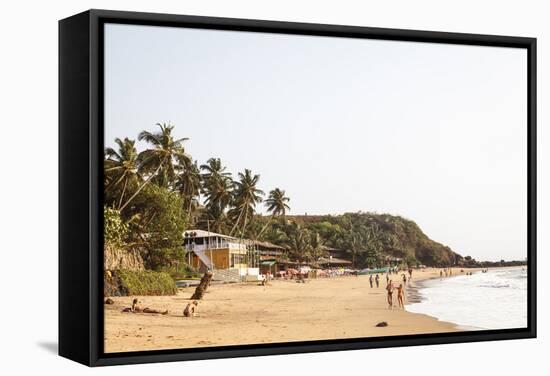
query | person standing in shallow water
[377, 279]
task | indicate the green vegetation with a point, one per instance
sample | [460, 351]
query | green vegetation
[370, 239]
[182, 270]
[156, 220]
[114, 229]
[129, 282]
[153, 195]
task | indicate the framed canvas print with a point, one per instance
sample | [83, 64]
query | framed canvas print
[235, 187]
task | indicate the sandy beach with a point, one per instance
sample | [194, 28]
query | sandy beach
[234, 314]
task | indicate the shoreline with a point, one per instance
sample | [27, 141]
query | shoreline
[414, 295]
[417, 284]
[418, 298]
[285, 311]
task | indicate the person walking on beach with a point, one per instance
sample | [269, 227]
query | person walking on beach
[370, 280]
[387, 278]
[441, 274]
[377, 279]
[410, 273]
[404, 278]
[389, 288]
[400, 296]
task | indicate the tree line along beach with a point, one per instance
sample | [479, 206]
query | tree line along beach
[168, 220]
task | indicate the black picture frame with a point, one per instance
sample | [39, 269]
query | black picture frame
[81, 189]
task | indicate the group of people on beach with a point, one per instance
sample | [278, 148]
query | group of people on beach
[190, 309]
[391, 286]
[447, 271]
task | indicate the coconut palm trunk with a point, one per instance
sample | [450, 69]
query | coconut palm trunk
[265, 226]
[236, 223]
[143, 185]
[122, 194]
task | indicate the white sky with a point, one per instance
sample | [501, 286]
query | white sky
[435, 133]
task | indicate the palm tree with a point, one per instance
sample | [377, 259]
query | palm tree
[158, 162]
[246, 196]
[354, 247]
[188, 184]
[161, 157]
[374, 240]
[276, 235]
[354, 242]
[215, 171]
[121, 167]
[298, 244]
[317, 246]
[277, 205]
[217, 188]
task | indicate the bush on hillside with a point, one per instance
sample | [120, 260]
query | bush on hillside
[127, 282]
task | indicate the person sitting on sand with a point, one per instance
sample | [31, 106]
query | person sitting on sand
[377, 279]
[371, 280]
[137, 309]
[390, 287]
[401, 295]
[191, 309]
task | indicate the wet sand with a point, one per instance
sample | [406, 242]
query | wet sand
[236, 314]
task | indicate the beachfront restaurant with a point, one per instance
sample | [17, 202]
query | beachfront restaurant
[212, 251]
[270, 256]
[337, 254]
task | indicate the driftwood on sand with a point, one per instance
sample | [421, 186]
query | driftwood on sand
[203, 285]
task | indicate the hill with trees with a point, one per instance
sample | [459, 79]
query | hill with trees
[152, 196]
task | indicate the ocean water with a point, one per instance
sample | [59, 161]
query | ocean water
[493, 300]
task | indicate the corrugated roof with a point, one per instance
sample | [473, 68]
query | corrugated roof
[267, 245]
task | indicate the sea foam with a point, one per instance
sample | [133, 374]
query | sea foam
[493, 300]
